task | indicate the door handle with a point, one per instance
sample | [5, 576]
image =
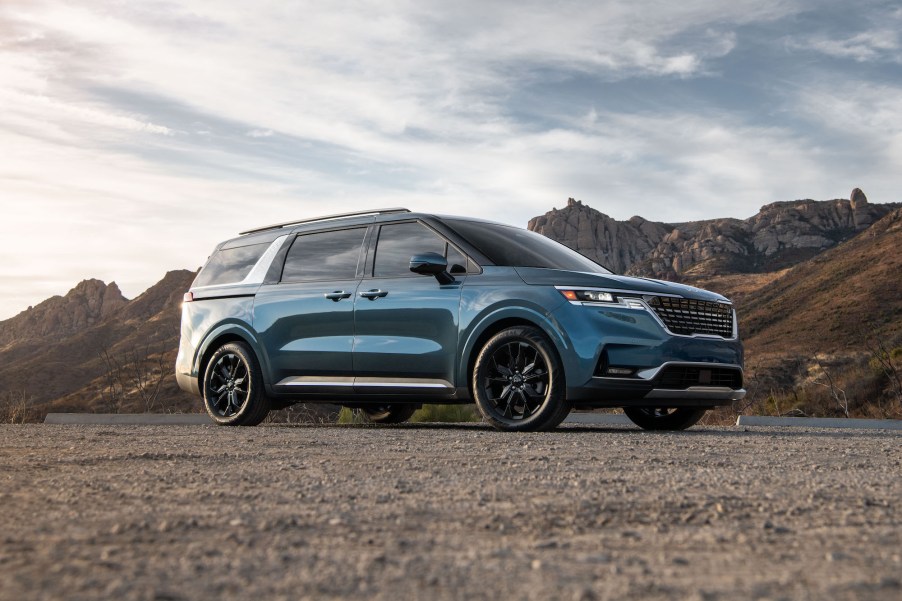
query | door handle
[337, 295]
[374, 294]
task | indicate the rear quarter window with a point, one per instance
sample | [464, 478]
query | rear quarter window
[230, 266]
[331, 255]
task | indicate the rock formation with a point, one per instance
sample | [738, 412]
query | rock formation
[781, 234]
[82, 307]
[615, 244]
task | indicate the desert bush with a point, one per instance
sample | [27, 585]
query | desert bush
[306, 413]
[133, 378]
[428, 413]
[351, 416]
[15, 407]
[446, 413]
[846, 386]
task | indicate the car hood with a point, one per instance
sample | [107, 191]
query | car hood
[556, 277]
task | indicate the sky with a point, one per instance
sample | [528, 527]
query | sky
[136, 135]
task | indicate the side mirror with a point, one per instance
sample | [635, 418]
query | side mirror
[431, 264]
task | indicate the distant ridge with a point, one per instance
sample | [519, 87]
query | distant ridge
[82, 307]
[781, 234]
[53, 351]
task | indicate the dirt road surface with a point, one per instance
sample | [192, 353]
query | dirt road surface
[443, 512]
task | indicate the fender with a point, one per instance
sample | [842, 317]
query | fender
[544, 321]
[243, 331]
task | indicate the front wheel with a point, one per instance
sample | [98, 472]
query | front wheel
[233, 387]
[661, 418]
[388, 414]
[518, 381]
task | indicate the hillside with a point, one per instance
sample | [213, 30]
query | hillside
[781, 234]
[835, 300]
[85, 305]
[64, 368]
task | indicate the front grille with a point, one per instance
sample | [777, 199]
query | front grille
[681, 377]
[687, 316]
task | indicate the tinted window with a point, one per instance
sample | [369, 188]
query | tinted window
[324, 256]
[457, 262]
[400, 241]
[507, 245]
[230, 266]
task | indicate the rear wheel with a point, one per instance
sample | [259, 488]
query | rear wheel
[233, 387]
[388, 414]
[662, 418]
[518, 381]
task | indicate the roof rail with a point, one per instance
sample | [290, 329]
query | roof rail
[327, 217]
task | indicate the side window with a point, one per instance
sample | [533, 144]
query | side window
[230, 266]
[324, 256]
[400, 241]
[457, 262]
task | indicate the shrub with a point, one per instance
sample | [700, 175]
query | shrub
[446, 413]
[15, 407]
[428, 413]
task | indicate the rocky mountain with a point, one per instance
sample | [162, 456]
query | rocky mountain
[84, 306]
[834, 302]
[91, 347]
[779, 235]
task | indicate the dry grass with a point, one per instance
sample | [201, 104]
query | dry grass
[850, 384]
[16, 408]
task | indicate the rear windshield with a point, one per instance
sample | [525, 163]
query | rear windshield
[514, 246]
[230, 266]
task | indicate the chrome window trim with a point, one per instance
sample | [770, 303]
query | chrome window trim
[258, 272]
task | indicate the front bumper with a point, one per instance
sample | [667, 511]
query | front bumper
[651, 388]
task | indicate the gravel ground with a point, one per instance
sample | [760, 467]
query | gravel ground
[448, 512]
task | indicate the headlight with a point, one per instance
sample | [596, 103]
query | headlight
[592, 296]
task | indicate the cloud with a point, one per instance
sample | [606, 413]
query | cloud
[877, 39]
[260, 133]
[867, 118]
[880, 44]
[146, 133]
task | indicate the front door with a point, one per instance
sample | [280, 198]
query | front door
[306, 321]
[406, 325]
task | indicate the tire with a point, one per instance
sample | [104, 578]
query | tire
[660, 418]
[388, 414]
[518, 381]
[233, 387]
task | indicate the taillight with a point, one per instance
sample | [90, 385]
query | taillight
[189, 296]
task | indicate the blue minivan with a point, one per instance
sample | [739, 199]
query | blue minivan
[386, 310]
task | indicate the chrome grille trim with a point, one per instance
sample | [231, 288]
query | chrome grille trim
[689, 317]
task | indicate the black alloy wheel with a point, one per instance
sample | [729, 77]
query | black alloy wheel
[664, 418]
[518, 381]
[229, 383]
[233, 387]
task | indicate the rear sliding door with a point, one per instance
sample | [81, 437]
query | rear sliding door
[306, 321]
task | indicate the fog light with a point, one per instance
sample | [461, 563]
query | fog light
[620, 371]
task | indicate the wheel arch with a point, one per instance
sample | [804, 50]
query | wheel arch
[495, 323]
[224, 335]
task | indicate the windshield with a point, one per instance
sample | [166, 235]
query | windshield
[516, 247]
